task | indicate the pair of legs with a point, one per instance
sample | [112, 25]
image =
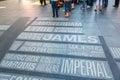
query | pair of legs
[98, 2]
[116, 3]
[83, 3]
[86, 2]
[89, 2]
[73, 4]
[55, 8]
[41, 1]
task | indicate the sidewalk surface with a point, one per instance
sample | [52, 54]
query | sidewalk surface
[35, 46]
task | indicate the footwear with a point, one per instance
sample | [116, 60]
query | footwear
[72, 8]
[83, 8]
[100, 9]
[105, 6]
[88, 6]
[45, 4]
[115, 6]
[95, 10]
[68, 13]
[66, 16]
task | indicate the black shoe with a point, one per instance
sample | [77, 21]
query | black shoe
[115, 6]
[105, 6]
[101, 10]
[95, 10]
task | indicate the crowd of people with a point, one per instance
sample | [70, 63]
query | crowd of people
[69, 5]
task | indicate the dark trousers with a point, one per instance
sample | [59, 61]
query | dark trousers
[88, 2]
[106, 3]
[55, 8]
[91, 2]
[117, 3]
[41, 1]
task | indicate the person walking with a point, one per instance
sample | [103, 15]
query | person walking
[98, 2]
[54, 4]
[116, 3]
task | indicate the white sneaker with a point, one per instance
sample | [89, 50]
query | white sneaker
[88, 6]
[83, 8]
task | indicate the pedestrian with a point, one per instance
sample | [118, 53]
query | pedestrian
[41, 2]
[67, 4]
[54, 4]
[116, 3]
[98, 2]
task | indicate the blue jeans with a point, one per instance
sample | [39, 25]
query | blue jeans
[83, 3]
[67, 6]
[88, 2]
[91, 2]
[106, 3]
